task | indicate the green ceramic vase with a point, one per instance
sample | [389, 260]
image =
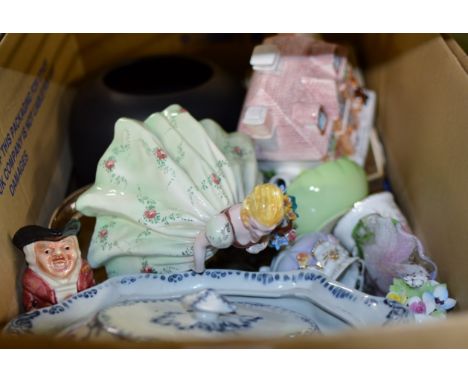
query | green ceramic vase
[326, 192]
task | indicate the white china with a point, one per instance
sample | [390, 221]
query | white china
[381, 203]
[307, 299]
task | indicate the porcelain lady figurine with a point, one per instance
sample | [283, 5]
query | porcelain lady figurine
[55, 267]
[169, 191]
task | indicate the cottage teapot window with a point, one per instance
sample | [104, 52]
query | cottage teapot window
[322, 120]
[337, 60]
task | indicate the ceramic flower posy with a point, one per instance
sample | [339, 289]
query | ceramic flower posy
[430, 300]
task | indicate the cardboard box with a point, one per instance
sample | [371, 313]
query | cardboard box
[422, 87]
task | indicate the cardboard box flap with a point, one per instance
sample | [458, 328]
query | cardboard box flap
[423, 93]
[33, 71]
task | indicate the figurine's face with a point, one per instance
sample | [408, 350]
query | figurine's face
[57, 258]
[257, 230]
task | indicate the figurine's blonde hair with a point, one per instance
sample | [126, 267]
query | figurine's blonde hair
[265, 204]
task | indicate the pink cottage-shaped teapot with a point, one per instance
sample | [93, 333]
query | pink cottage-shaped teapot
[305, 105]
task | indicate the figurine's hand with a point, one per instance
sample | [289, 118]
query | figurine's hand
[256, 248]
[199, 251]
[199, 268]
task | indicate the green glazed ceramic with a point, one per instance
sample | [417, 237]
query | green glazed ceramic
[326, 192]
[158, 185]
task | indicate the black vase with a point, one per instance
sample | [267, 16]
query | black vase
[139, 88]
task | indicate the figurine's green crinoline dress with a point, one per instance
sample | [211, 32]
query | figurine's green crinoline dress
[158, 185]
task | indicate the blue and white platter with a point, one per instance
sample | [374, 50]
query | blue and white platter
[212, 305]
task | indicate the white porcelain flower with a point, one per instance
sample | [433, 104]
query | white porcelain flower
[441, 298]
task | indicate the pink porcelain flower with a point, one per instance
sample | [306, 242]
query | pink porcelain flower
[418, 307]
[422, 306]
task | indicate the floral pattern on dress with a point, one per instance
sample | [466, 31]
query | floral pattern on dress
[110, 165]
[221, 165]
[161, 158]
[160, 154]
[225, 233]
[236, 152]
[174, 217]
[120, 149]
[191, 194]
[150, 214]
[187, 252]
[143, 150]
[146, 268]
[214, 179]
[180, 154]
[104, 241]
[143, 234]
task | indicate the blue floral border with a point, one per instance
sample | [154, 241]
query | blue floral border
[24, 322]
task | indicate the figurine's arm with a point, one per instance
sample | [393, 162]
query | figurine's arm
[218, 234]
[199, 251]
[36, 292]
[86, 279]
[29, 301]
